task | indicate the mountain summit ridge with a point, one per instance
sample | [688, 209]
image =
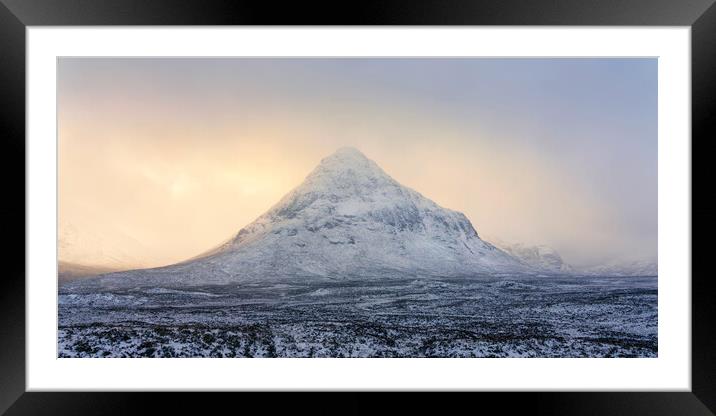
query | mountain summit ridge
[347, 219]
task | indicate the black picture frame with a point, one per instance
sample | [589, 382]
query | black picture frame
[16, 15]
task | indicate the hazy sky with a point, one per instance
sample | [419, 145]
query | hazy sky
[161, 159]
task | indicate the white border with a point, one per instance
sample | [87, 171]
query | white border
[670, 371]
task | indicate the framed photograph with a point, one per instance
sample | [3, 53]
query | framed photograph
[486, 198]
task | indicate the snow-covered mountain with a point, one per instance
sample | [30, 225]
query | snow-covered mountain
[348, 219]
[541, 257]
[643, 267]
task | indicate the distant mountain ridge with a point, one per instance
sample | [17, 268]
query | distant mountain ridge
[81, 248]
[643, 267]
[67, 272]
[540, 257]
[548, 259]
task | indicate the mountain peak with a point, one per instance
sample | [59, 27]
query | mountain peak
[347, 158]
[346, 169]
[348, 152]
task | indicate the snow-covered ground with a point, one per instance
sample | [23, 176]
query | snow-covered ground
[417, 317]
